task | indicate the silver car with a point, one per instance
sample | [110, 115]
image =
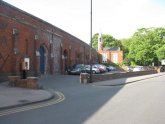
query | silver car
[94, 69]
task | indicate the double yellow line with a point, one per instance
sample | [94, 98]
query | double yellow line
[59, 97]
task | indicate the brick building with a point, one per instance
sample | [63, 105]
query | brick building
[109, 55]
[50, 49]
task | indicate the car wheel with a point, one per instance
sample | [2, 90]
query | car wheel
[93, 72]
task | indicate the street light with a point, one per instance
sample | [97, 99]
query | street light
[90, 78]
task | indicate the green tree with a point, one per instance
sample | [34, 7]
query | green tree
[144, 45]
[95, 41]
[161, 53]
[125, 48]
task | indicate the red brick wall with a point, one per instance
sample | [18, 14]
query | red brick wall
[109, 56]
[120, 56]
[103, 77]
[32, 34]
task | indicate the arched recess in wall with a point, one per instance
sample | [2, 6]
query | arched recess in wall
[76, 57]
[65, 53]
[43, 59]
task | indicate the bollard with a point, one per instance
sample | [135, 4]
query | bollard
[84, 78]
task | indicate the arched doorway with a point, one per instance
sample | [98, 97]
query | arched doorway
[65, 60]
[42, 60]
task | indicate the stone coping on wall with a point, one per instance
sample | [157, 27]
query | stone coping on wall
[84, 78]
[103, 77]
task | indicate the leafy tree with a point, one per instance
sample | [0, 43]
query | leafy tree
[95, 41]
[125, 48]
[161, 53]
[145, 46]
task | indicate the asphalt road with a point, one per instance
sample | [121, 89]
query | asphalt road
[141, 102]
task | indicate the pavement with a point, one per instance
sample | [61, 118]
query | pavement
[13, 96]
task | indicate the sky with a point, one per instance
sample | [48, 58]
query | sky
[119, 18]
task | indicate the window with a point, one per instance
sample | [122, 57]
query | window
[104, 57]
[115, 57]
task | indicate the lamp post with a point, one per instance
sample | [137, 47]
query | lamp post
[90, 78]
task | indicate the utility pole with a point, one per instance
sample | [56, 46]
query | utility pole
[90, 78]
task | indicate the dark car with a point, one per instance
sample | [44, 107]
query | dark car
[77, 69]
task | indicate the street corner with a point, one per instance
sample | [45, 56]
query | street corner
[35, 100]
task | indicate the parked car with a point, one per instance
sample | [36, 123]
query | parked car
[111, 68]
[77, 69]
[138, 68]
[94, 69]
[130, 68]
[101, 67]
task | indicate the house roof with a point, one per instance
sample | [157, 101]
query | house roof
[111, 49]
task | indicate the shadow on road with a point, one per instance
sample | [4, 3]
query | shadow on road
[82, 100]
